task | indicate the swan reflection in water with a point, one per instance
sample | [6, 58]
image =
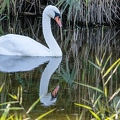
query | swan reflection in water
[20, 63]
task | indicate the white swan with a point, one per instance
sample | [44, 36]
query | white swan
[45, 97]
[21, 63]
[13, 44]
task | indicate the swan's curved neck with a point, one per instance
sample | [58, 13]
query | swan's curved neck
[50, 40]
[45, 78]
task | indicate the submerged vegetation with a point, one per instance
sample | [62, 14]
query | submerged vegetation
[14, 109]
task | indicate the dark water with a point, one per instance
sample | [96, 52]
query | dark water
[39, 75]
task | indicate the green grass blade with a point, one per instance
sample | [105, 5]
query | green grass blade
[110, 68]
[94, 65]
[118, 90]
[33, 105]
[106, 63]
[94, 88]
[41, 116]
[111, 74]
[11, 102]
[68, 118]
[96, 101]
[13, 96]
[16, 108]
[98, 62]
[2, 87]
[84, 106]
[5, 114]
[95, 115]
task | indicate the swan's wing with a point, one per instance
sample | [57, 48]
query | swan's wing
[12, 44]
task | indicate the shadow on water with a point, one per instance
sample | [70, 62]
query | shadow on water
[79, 46]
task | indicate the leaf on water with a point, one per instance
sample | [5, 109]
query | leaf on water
[68, 118]
[43, 115]
[33, 105]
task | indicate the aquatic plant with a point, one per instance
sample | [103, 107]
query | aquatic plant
[102, 105]
[82, 11]
[14, 110]
[91, 11]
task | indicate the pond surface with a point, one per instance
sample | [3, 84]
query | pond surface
[39, 76]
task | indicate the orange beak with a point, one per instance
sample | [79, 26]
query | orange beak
[57, 19]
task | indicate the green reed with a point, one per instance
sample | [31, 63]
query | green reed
[91, 11]
[11, 111]
[102, 105]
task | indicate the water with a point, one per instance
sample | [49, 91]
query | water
[40, 75]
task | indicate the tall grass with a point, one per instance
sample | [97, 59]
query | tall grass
[103, 106]
[91, 11]
[11, 111]
[82, 11]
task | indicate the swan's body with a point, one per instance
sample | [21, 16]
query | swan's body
[13, 44]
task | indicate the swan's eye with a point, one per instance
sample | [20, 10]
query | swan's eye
[57, 15]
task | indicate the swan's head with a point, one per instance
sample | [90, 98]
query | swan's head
[53, 12]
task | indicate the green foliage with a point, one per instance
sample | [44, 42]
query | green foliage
[67, 74]
[101, 106]
[17, 114]
[72, 5]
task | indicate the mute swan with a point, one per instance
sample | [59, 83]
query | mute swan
[13, 44]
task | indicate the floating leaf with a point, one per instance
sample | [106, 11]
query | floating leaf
[33, 105]
[43, 115]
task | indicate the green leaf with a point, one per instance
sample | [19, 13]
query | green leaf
[2, 87]
[98, 62]
[84, 106]
[94, 88]
[5, 114]
[33, 105]
[95, 115]
[111, 74]
[105, 62]
[11, 102]
[110, 68]
[94, 65]
[43, 115]
[13, 96]
[117, 91]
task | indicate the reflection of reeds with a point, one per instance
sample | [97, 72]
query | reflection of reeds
[82, 45]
